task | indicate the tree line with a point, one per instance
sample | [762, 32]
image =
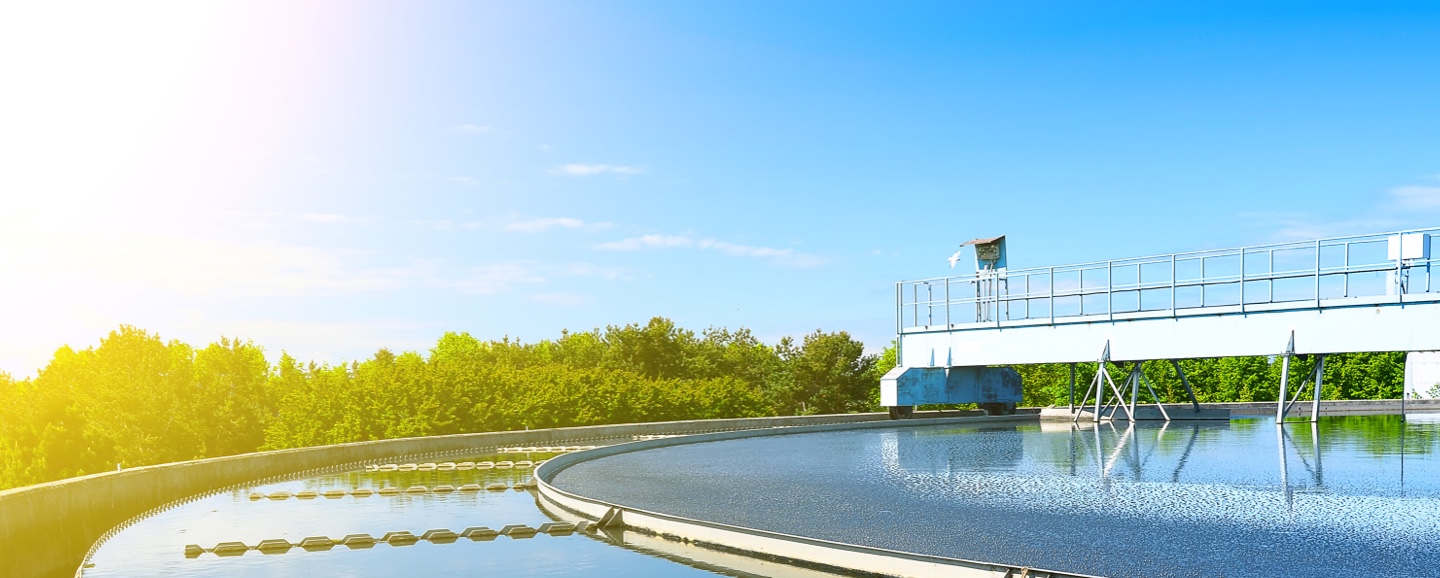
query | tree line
[136, 399]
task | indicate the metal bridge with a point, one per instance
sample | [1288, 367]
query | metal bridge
[1378, 292]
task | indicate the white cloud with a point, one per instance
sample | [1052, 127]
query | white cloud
[465, 181]
[582, 170]
[1416, 197]
[651, 241]
[472, 129]
[787, 257]
[743, 250]
[493, 279]
[545, 224]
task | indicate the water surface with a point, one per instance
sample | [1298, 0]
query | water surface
[1354, 496]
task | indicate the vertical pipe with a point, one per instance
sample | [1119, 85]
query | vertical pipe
[1110, 289]
[1099, 388]
[1052, 309]
[1072, 388]
[1284, 389]
[1319, 377]
[947, 303]
[1173, 305]
[1202, 281]
[929, 304]
[899, 323]
[1134, 389]
[915, 303]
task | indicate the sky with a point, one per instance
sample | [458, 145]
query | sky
[331, 178]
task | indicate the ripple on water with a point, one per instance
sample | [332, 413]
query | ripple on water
[1243, 498]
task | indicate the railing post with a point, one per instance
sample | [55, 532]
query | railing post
[1110, 289]
[900, 323]
[1317, 273]
[1052, 295]
[1174, 307]
[1346, 276]
[915, 302]
[1270, 298]
[1242, 281]
[947, 303]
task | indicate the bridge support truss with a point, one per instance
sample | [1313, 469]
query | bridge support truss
[1137, 377]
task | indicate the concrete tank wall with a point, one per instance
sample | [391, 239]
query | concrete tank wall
[46, 529]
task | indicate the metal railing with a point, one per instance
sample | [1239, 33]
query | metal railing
[1305, 274]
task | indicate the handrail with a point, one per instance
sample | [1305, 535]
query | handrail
[1244, 277]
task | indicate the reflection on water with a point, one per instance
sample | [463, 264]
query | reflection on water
[156, 545]
[1354, 496]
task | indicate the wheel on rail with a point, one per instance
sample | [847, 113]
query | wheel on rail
[998, 408]
[902, 411]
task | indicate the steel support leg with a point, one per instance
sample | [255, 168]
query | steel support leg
[1072, 388]
[1099, 388]
[1319, 377]
[1186, 382]
[1156, 396]
[1134, 389]
[1284, 381]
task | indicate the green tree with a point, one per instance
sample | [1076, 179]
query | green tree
[830, 373]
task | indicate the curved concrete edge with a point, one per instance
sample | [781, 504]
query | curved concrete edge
[723, 562]
[47, 529]
[798, 550]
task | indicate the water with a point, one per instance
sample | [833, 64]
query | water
[1348, 496]
[155, 546]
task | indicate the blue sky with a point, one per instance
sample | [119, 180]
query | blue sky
[332, 178]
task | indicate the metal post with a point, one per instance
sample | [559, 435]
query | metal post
[1173, 305]
[1202, 281]
[947, 303]
[1317, 273]
[1400, 274]
[1072, 388]
[1319, 377]
[1242, 281]
[1134, 389]
[1052, 303]
[1100, 385]
[1284, 381]
[899, 323]
[1270, 298]
[915, 302]
[1110, 289]
[929, 304]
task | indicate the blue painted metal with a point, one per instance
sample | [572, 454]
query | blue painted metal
[911, 386]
